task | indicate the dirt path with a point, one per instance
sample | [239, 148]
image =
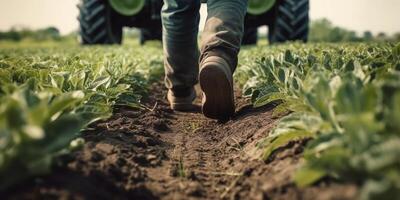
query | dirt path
[160, 154]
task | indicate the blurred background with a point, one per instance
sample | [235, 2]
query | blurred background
[331, 20]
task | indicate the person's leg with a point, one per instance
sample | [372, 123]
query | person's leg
[221, 41]
[180, 19]
[223, 30]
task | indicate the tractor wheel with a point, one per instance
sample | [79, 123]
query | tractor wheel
[250, 36]
[99, 23]
[290, 22]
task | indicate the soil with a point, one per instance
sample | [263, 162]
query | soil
[157, 153]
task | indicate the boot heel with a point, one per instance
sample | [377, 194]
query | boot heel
[216, 83]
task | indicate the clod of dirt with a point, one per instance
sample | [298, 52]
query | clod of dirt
[96, 157]
[160, 125]
[247, 171]
[195, 189]
[131, 114]
[192, 176]
[153, 141]
[106, 148]
[174, 170]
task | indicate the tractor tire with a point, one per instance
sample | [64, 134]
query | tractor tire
[99, 23]
[291, 21]
[250, 36]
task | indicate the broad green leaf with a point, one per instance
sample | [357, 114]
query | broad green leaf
[99, 82]
[61, 132]
[282, 75]
[268, 98]
[281, 109]
[15, 116]
[306, 176]
[60, 103]
[283, 139]
[33, 132]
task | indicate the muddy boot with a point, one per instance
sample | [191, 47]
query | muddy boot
[181, 103]
[217, 86]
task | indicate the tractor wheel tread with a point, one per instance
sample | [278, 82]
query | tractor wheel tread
[95, 12]
[291, 21]
[100, 37]
[96, 23]
[90, 3]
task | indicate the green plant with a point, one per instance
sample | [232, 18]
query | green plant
[35, 128]
[48, 95]
[345, 97]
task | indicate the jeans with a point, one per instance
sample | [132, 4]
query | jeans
[221, 36]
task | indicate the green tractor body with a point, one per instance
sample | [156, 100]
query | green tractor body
[132, 7]
[258, 7]
[127, 7]
[101, 21]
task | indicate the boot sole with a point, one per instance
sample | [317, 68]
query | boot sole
[218, 97]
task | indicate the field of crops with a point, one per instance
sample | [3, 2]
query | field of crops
[339, 102]
[346, 97]
[48, 95]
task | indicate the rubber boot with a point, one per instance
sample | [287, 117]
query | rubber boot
[181, 103]
[216, 83]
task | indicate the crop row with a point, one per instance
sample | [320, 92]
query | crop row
[346, 97]
[48, 95]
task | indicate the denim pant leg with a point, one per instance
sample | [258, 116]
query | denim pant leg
[180, 21]
[223, 31]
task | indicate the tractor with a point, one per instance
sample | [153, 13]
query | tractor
[102, 21]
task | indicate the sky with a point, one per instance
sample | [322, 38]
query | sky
[359, 15]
